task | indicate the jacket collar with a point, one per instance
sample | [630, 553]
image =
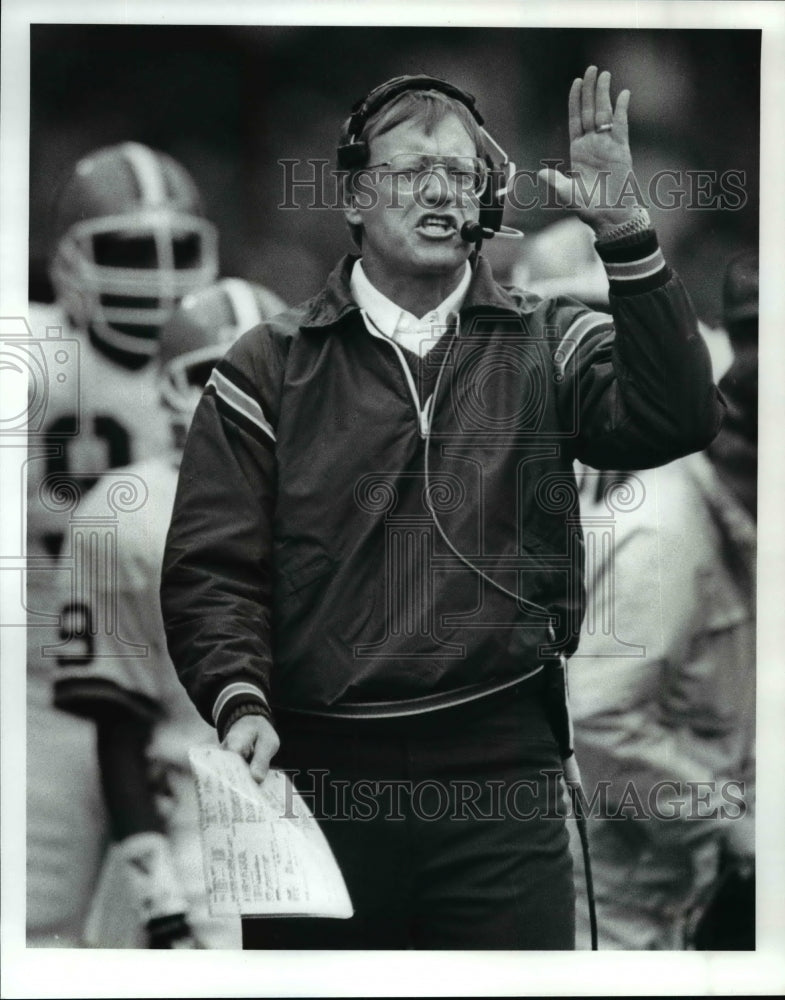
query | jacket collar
[334, 304]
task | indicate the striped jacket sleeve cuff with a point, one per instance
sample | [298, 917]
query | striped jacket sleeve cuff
[235, 696]
[634, 264]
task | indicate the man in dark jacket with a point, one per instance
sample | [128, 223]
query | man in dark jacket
[375, 557]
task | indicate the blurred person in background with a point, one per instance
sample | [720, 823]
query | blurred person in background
[152, 892]
[665, 734]
[129, 240]
[348, 466]
[561, 260]
[726, 920]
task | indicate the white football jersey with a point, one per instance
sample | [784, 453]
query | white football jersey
[119, 546]
[119, 658]
[87, 414]
[67, 827]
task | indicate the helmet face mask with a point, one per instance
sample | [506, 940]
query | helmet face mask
[132, 243]
[127, 303]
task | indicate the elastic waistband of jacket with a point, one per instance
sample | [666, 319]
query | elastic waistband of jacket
[446, 706]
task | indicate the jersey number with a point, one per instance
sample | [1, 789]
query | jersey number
[76, 629]
[106, 445]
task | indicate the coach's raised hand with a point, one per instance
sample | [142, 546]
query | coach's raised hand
[601, 188]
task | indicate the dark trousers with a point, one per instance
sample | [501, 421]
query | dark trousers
[448, 827]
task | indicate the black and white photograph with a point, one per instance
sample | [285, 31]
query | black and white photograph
[389, 576]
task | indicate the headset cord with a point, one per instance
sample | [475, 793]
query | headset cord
[572, 780]
[563, 723]
[529, 605]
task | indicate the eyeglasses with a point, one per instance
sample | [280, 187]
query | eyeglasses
[469, 173]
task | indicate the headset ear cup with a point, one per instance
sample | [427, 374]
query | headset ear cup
[491, 202]
[352, 155]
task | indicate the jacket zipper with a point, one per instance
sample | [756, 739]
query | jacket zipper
[423, 415]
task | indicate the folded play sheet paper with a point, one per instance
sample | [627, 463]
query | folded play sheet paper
[264, 854]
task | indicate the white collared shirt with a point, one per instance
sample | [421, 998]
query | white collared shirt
[404, 328]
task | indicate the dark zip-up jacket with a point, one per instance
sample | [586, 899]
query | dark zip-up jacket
[361, 531]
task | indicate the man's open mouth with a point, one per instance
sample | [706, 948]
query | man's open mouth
[437, 226]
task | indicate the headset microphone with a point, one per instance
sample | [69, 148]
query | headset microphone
[473, 232]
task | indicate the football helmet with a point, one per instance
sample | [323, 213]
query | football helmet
[198, 335]
[561, 260]
[130, 240]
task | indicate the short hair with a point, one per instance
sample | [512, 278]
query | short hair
[422, 107]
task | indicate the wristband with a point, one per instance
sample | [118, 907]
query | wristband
[246, 708]
[232, 697]
[639, 223]
[151, 875]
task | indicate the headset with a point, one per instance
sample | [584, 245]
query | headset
[353, 151]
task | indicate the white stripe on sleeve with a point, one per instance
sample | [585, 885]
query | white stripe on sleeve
[231, 691]
[576, 332]
[635, 270]
[240, 401]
